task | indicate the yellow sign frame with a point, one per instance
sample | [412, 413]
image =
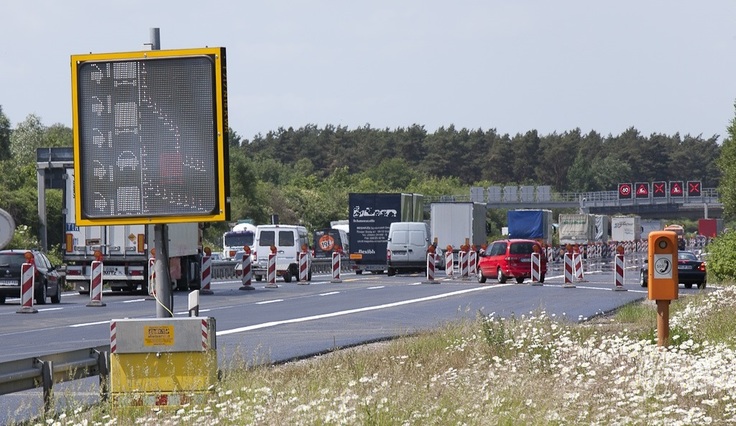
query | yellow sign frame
[222, 212]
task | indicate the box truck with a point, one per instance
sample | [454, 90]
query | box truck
[625, 228]
[576, 228]
[125, 250]
[454, 223]
[530, 224]
[371, 216]
[710, 228]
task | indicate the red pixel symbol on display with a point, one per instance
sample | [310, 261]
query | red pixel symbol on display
[693, 188]
[624, 190]
[642, 190]
[659, 189]
[676, 189]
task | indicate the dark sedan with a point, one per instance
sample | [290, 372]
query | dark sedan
[690, 270]
[47, 283]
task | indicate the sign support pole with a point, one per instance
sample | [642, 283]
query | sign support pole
[164, 296]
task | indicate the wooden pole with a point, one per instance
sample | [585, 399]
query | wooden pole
[663, 322]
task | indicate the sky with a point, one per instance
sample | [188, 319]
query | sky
[661, 66]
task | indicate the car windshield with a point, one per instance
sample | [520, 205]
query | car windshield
[8, 260]
[686, 255]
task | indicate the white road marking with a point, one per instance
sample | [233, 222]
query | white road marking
[353, 311]
[89, 323]
[50, 309]
[329, 294]
[134, 300]
[266, 302]
[376, 287]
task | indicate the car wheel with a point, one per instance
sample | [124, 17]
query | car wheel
[2, 300]
[481, 277]
[56, 298]
[689, 285]
[391, 272]
[259, 277]
[701, 286]
[287, 276]
[500, 276]
[642, 278]
[41, 294]
[519, 280]
[358, 272]
[541, 278]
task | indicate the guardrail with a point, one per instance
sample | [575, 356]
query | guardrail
[46, 370]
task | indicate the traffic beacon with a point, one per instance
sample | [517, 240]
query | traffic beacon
[662, 278]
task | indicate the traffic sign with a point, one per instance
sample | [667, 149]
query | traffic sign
[659, 189]
[676, 188]
[642, 190]
[693, 188]
[624, 190]
[150, 137]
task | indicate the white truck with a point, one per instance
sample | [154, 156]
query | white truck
[125, 251]
[576, 228]
[453, 223]
[625, 228]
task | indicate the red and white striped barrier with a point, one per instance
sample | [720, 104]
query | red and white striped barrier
[569, 271]
[536, 268]
[430, 269]
[95, 287]
[303, 260]
[247, 272]
[449, 263]
[473, 263]
[206, 275]
[151, 277]
[271, 271]
[336, 265]
[618, 284]
[463, 263]
[28, 279]
[578, 267]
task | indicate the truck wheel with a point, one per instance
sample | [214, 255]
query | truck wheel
[2, 300]
[358, 272]
[541, 278]
[481, 277]
[259, 277]
[500, 276]
[391, 272]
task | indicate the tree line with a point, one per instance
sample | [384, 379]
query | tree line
[304, 175]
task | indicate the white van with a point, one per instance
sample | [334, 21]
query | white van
[407, 247]
[288, 240]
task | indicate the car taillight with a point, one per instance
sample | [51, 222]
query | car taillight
[76, 270]
[388, 254]
[702, 267]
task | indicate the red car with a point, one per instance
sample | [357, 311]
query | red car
[506, 259]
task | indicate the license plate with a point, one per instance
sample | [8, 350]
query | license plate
[8, 282]
[114, 270]
[399, 252]
[526, 259]
[686, 267]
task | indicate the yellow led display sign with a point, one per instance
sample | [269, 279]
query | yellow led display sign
[150, 137]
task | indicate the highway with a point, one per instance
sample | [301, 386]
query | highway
[298, 320]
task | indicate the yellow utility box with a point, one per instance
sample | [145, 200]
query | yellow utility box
[662, 274]
[162, 361]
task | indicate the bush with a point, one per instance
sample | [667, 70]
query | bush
[722, 258]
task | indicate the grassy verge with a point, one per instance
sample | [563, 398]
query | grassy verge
[531, 369]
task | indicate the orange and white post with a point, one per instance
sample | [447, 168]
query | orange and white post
[271, 271]
[27, 285]
[95, 287]
[247, 270]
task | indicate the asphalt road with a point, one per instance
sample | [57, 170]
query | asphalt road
[298, 320]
